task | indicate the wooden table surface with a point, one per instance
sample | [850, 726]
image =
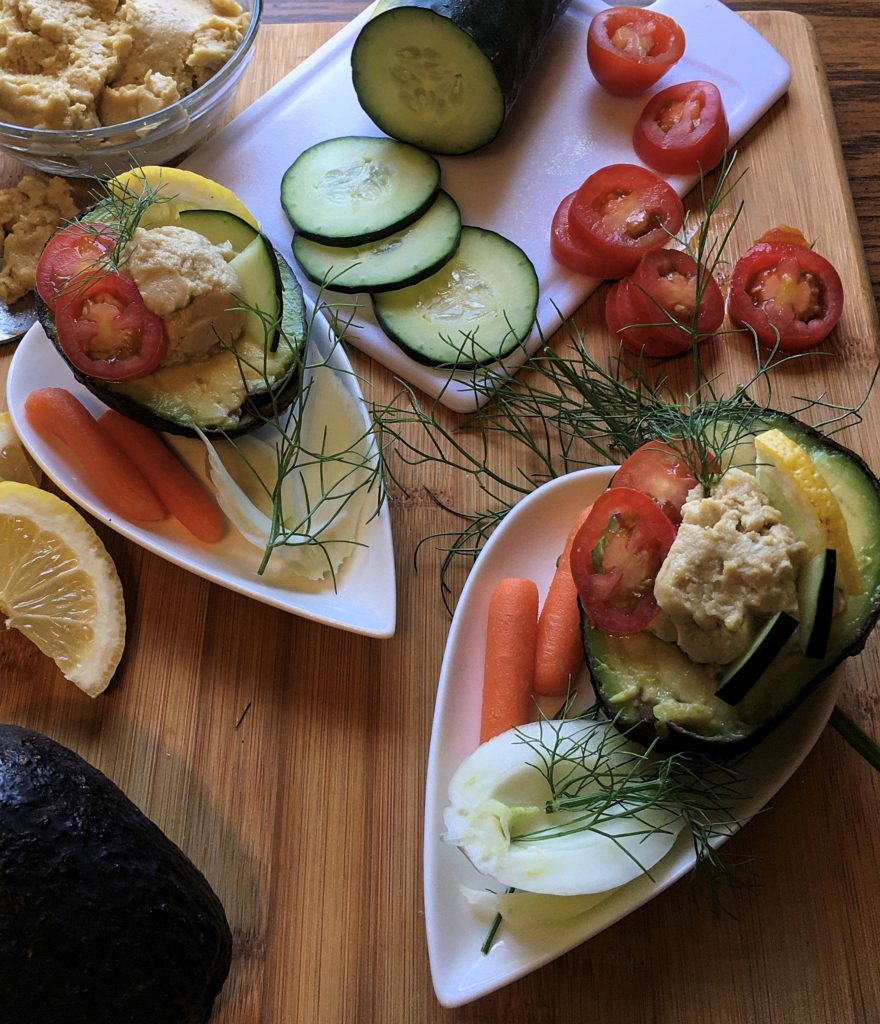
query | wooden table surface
[287, 758]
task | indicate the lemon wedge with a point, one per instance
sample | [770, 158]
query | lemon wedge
[793, 484]
[59, 586]
[15, 463]
[177, 190]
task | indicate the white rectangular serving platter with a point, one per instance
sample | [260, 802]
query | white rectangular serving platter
[563, 127]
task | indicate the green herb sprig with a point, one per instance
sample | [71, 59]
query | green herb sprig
[599, 778]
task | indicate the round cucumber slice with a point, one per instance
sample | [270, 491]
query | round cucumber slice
[394, 261]
[354, 189]
[423, 78]
[475, 310]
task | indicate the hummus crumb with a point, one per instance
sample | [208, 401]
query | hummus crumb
[29, 214]
[732, 565]
[71, 64]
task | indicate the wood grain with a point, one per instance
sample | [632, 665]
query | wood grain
[287, 758]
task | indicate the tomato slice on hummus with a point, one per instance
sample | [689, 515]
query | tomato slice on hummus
[615, 558]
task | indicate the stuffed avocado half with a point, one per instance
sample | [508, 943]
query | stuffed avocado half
[661, 686]
[176, 310]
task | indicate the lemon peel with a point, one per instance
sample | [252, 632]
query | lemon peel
[804, 480]
[59, 586]
[178, 189]
[15, 463]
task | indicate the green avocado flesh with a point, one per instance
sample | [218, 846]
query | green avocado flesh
[657, 691]
[103, 920]
[259, 372]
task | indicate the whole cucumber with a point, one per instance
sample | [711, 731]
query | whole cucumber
[444, 74]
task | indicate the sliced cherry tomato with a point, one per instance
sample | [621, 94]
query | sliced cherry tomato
[572, 254]
[106, 331]
[662, 472]
[668, 286]
[683, 129]
[622, 212]
[71, 257]
[630, 48]
[786, 293]
[784, 234]
[622, 322]
[615, 558]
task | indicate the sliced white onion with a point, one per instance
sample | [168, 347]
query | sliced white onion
[498, 793]
[323, 497]
[530, 909]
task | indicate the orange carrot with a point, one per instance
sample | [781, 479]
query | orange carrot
[184, 496]
[559, 652]
[510, 656]
[56, 415]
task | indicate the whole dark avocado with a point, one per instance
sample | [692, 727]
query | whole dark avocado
[103, 920]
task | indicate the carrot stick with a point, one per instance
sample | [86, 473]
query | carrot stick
[56, 415]
[559, 651]
[184, 496]
[510, 656]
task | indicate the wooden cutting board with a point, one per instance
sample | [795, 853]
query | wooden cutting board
[287, 759]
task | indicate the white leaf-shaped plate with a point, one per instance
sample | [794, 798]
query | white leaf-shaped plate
[364, 599]
[527, 544]
[564, 126]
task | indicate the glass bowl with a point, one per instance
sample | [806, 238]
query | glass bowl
[158, 138]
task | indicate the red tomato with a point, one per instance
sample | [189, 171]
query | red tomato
[629, 48]
[683, 129]
[786, 292]
[622, 212]
[70, 258]
[622, 322]
[661, 471]
[615, 558]
[785, 234]
[664, 287]
[572, 254]
[107, 332]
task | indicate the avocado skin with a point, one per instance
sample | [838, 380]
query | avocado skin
[103, 920]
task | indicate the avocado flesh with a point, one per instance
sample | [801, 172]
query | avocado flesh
[653, 688]
[103, 920]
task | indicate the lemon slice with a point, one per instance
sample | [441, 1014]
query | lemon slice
[59, 586]
[177, 190]
[792, 483]
[15, 463]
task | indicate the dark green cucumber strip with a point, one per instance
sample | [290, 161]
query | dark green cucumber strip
[394, 261]
[219, 227]
[748, 669]
[257, 269]
[354, 189]
[475, 310]
[443, 74]
[816, 601]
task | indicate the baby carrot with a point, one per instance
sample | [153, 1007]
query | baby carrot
[510, 656]
[184, 496]
[56, 415]
[559, 652]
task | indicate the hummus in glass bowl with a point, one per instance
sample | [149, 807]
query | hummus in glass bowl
[93, 87]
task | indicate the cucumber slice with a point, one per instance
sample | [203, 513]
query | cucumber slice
[257, 270]
[816, 602]
[475, 310]
[748, 669]
[443, 74]
[394, 261]
[354, 189]
[219, 227]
